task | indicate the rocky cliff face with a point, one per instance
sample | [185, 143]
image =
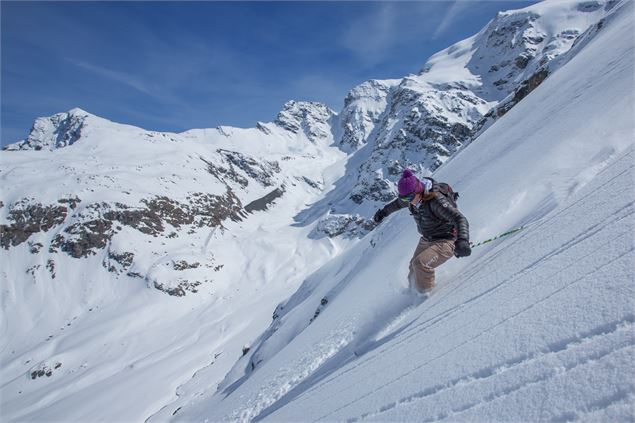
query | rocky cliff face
[421, 128]
[57, 131]
[541, 55]
[310, 118]
[84, 227]
[118, 187]
[363, 109]
[429, 116]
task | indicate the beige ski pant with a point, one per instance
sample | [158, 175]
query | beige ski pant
[428, 256]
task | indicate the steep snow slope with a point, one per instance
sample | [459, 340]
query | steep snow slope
[536, 326]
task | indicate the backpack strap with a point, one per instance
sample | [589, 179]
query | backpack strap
[445, 189]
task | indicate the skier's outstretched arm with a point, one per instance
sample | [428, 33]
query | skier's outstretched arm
[389, 208]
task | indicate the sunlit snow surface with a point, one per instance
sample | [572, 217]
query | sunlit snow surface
[123, 347]
[537, 326]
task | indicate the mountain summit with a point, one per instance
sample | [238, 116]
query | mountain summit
[57, 131]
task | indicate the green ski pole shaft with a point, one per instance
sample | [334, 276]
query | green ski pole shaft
[510, 232]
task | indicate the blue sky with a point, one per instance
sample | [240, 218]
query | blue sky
[173, 66]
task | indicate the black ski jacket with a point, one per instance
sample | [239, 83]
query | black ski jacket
[436, 217]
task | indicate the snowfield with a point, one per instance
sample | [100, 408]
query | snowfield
[84, 337]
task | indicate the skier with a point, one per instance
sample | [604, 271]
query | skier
[444, 230]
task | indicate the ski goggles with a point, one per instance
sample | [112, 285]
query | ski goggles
[407, 198]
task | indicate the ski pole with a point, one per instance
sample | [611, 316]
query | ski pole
[511, 231]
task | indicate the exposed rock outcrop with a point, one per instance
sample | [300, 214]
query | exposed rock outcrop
[94, 226]
[349, 226]
[28, 218]
[422, 120]
[50, 133]
[312, 118]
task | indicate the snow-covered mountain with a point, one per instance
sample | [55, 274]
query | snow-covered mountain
[137, 256]
[137, 261]
[423, 119]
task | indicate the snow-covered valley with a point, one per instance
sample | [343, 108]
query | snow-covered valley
[88, 316]
[140, 270]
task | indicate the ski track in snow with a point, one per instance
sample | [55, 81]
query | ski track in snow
[289, 377]
[623, 213]
[548, 363]
[626, 326]
[566, 275]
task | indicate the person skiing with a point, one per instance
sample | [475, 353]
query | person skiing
[444, 230]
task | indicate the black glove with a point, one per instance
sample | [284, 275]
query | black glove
[462, 248]
[379, 216]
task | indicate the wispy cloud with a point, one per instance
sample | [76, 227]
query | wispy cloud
[450, 17]
[387, 26]
[117, 76]
[373, 33]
